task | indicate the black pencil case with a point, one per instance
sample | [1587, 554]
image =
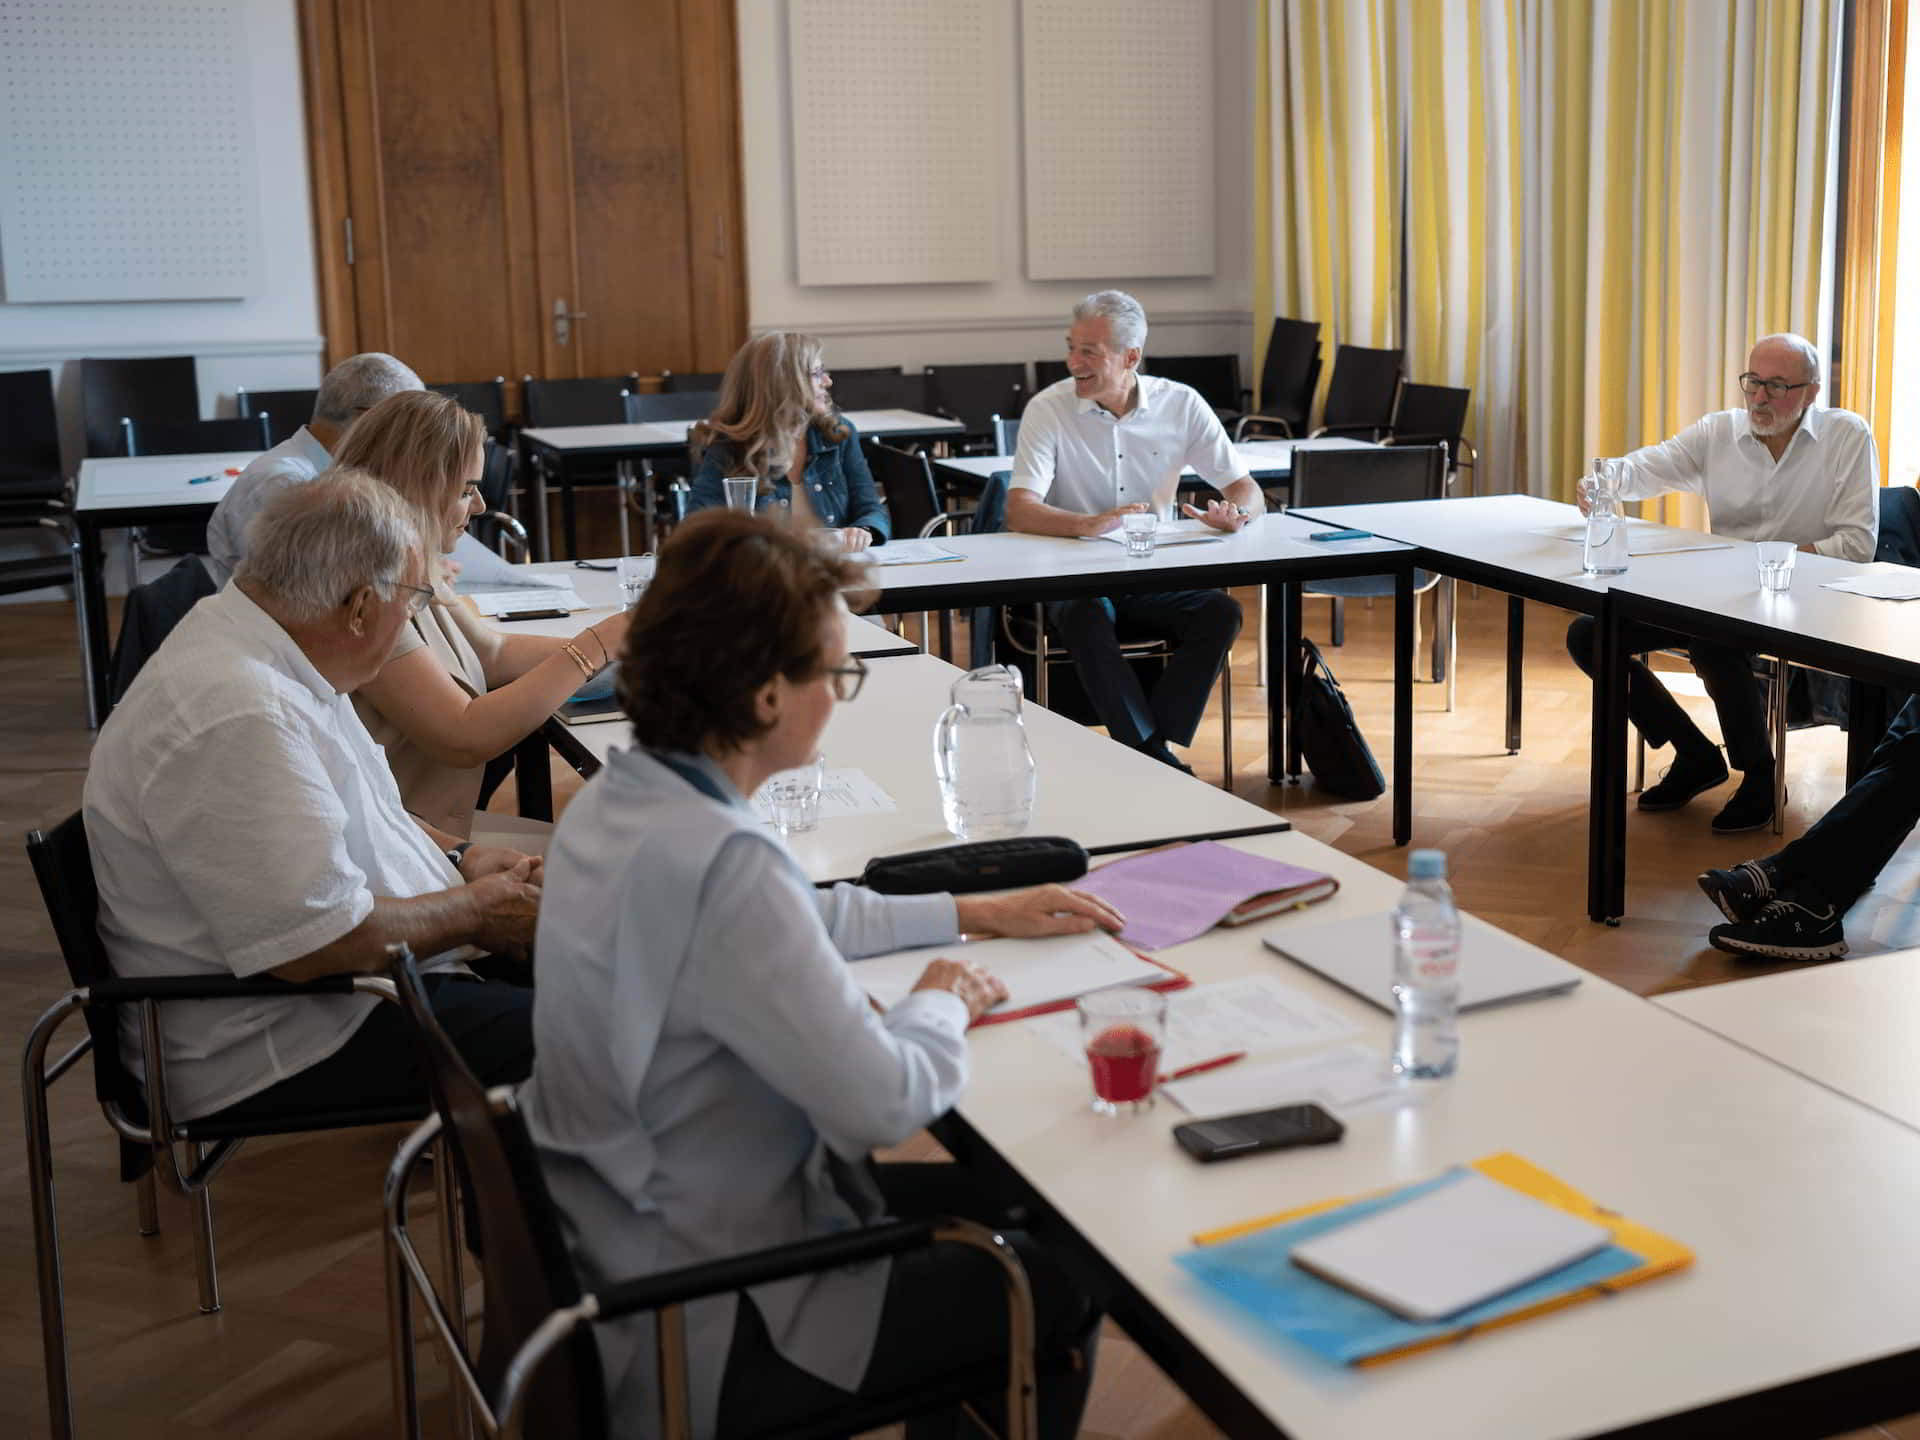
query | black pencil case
[978, 865]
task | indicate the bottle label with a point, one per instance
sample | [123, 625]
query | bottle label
[1432, 962]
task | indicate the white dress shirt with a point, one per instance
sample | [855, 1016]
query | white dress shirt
[706, 1069]
[1079, 457]
[1823, 491]
[295, 460]
[240, 817]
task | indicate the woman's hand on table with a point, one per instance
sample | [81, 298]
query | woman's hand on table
[1041, 910]
[977, 988]
[855, 538]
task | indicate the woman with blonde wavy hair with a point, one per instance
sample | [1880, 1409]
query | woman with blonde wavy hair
[776, 421]
[456, 691]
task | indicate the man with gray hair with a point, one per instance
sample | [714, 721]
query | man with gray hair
[350, 389]
[243, 823]
[1102, 443]
[1775, 469]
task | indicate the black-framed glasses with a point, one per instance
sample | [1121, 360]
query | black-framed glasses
[1752, 384]
[848, 678]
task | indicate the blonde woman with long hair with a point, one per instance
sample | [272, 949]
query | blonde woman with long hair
[776, 421]
[457, 690]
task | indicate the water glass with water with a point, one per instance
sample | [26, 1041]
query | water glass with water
[635, 572]
[793, 797]
[1141, 527]
[1124, 1031]
[741, 491]
[1775, 558]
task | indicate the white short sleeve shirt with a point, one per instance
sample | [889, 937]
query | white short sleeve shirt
[240, 817]
[294, 461]
[1077, 456]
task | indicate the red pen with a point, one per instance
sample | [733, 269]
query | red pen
[1214, 1064]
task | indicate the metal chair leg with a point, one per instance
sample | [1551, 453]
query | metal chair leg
[1450, 588]
[1338, 635]
[203, 1258]
[622, 492]
[46, 1222]
[1260, 641]
[1777, 726]
[146, 1197]
[446, 1195]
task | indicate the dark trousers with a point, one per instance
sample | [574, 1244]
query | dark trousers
[1201, 625]
[1730, 682]
[945, 1310]
[491, 1023]
[1840, 856]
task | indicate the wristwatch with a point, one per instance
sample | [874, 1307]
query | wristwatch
[459, 852]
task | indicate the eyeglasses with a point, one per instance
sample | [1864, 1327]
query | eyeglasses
[417, 601]
[848, 678]
[1752, 384]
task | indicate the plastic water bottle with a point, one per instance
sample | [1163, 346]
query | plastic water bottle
[1426, 972]
[981, 755]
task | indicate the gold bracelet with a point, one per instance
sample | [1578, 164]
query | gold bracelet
[606, 655]
[574, 655]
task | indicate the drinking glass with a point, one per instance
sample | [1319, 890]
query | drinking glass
[741, 490]
[1140, 527]
[1775, 558]
[1124, 1030]
[635, 572]
[793, 797]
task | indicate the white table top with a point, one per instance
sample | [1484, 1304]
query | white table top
[1091, 789]
[126, 482]
[1848, 1026]
[1796, 1201]
[1256, 457]
[674, 432]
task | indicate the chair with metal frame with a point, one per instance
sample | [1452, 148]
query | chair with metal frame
[1048, 372]
[674, 381]
[905, 478]
[1434, 415]
[497, 526]
[537, 1353]
[1361, 394]
[157, 388]
[637, 480]
[138, 1113]
[587, 400]
[1215, 377]
[1006, 434]
[485, 398]
[1288, 379]
[183, 437]
[976, 394]
[33, 484]
[880, 389]
[287, 410]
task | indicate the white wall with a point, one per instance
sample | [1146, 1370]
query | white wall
[1010, 317]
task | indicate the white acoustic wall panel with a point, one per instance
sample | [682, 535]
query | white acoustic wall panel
[893, 161]
[1118, 132]
[126, 151]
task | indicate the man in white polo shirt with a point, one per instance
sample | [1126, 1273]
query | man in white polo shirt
[1777, 469]
[1105, 441]
[242, 822]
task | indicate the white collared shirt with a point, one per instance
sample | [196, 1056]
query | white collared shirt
[1079, 457]
[1823, 491]
[241, 817]
[294, 461]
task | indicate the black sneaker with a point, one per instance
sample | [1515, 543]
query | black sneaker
[1740, 892]
[1786, 929]
[1683, 780]
[1751, 807]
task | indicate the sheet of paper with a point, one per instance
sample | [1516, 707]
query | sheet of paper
[1182, 891]
[1179, 532]
[843, 793]
[910, 552]
[1342, 1079]
[1643, 538]
[493, 603]
[1900, 584]
[1036, 972]
[1256, 1013]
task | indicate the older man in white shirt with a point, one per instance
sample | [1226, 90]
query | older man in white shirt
[1779, 469]
[350, 389]
[242, 822]
[1105, 441]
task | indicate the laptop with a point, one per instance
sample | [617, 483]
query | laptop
[1357, 955]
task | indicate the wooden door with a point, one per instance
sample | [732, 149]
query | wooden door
[512, 187]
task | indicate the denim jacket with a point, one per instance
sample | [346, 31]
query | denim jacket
[839, 485]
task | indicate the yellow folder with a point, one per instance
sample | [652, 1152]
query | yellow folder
[1660, 1255]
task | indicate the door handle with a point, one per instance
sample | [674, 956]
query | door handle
[563, 319]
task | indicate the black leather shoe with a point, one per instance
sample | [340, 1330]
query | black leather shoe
[1740, 892]
[1786, 929]
[1751, 806]
[1683, 780]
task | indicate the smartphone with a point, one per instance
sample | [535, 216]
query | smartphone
[533, 615]
[1341, 535]
[1277, 1129]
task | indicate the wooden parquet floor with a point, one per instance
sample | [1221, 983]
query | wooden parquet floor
[299, 1351]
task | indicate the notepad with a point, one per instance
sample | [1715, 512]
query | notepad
[1456, 1246]
[1036, 972]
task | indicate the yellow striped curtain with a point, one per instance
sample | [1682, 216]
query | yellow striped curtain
[1605, 202]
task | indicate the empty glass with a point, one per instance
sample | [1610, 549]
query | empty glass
[1775, 558]
[793, 797]
[1140, 527]
[1123, 1030]
[741, 490]
[635, 572]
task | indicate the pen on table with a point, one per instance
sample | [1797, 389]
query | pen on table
[1214, 1064]
[209, 479]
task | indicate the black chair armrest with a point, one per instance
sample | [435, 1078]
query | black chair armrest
[782, 1262]
[214, 987]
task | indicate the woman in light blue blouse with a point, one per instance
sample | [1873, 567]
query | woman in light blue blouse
[776, 420]
[708, 1078]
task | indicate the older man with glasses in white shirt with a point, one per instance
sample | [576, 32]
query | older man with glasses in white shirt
[1777, 469]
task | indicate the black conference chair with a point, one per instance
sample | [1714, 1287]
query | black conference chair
[1378, 475]
[1048, 372]
[32, 483]
[1006, 434]
[975, 394]
[485, 398]
[1361, 394]
[642, 485]
[537, 1355]
[183, 437]
[592, 400]
[287, 410]
[149, 1134]
[1287, 381]
[676, 380]
[497, 527]
[1434, 415]
[151, 612]
[164, 388]
[879, 390]
[1216, 377]
[913, 503]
